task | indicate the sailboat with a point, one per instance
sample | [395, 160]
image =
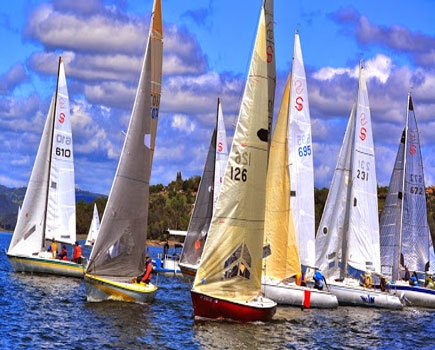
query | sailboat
[48, 211]
[206, 199]
[347, 241]
[405, 236]
[93, 229]
[119, 252]
[282, 255]
[228, 281]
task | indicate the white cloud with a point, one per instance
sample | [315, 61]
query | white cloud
[180, 122]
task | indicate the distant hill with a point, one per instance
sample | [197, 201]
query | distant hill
[12, 198]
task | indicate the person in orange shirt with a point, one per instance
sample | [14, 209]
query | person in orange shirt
[77, 258]
[146, 276]
[64, 254]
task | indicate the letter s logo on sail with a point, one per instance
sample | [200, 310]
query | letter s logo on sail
[61, 118]
[299, 102]
[269, 52]
[220, 147]
[362, 134]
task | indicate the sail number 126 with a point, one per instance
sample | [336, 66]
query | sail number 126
[240, 173]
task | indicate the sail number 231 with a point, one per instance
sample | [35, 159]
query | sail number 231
[240, 173]
[362, 172]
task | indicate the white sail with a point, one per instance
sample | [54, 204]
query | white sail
[93, 229]
[363, 238]
[61, 207]
[301, 160]
[221, 155]
[335, 219]
[29, 230]
[230, 266]
[432, 257]
[121, 244]
[415, 237]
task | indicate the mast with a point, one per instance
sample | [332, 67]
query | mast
[51, 154]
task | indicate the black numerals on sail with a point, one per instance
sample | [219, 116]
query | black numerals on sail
[63, 140]
[362, 172]
[416, 179]
[240, 173]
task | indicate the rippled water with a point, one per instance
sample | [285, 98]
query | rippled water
[43, 312]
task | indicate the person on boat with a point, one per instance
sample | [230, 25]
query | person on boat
[77, 258]
[318, 280]
[413, 281]
[166, 249]
[53, 248]
[301, 279]
[63, 255]
[383, 283]
[367, 280]
[429, 282]
[407, 275]
[146, 276]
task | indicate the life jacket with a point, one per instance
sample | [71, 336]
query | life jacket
[147, 275]
[77, 252]
[65, 257]
[298, 278]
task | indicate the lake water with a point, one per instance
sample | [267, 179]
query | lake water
[43, 312]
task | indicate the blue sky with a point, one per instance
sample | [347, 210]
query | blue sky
[207, 49]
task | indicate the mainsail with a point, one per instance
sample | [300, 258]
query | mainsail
[61, 206]
[124, 223]
[281, 250]
[231, 262]
[335, 219]
[208, 193]
[301, 160]
[93, 229]
[363, 237]
[404, 229]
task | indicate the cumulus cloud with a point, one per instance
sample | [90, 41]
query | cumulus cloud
[181, 122]
[11, 79]
[396, 37]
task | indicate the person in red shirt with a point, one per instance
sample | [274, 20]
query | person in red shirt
[146, 276]
[77, 258]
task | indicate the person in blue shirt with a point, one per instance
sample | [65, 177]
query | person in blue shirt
[318, 280]
[413, 281]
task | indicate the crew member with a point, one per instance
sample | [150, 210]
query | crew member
[77, 258]
[63, 254]
[53, 248]
[146, 276]
[318, 280]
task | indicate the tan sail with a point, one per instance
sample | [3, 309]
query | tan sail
[279, 230]
[231, 263]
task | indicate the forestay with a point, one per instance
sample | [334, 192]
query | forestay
[332, 233]
[363, 241]
[281, 250]
[94, 228]
[231, 263]
[61, 206]
[301, 160]
[29, 230]
[124, 223]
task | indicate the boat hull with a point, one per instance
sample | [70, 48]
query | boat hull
[168, 267]
[218, 309]
[359, 296]
[100, 289]
[294, 295]
[414, 296]
[188, 271]
[46, 266]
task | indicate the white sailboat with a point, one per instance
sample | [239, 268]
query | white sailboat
[119, 252]
[206, 199]
[48, 210]
[228, 282]
[283, 255]
[93, 229]
[347, 241]
[405, 235]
